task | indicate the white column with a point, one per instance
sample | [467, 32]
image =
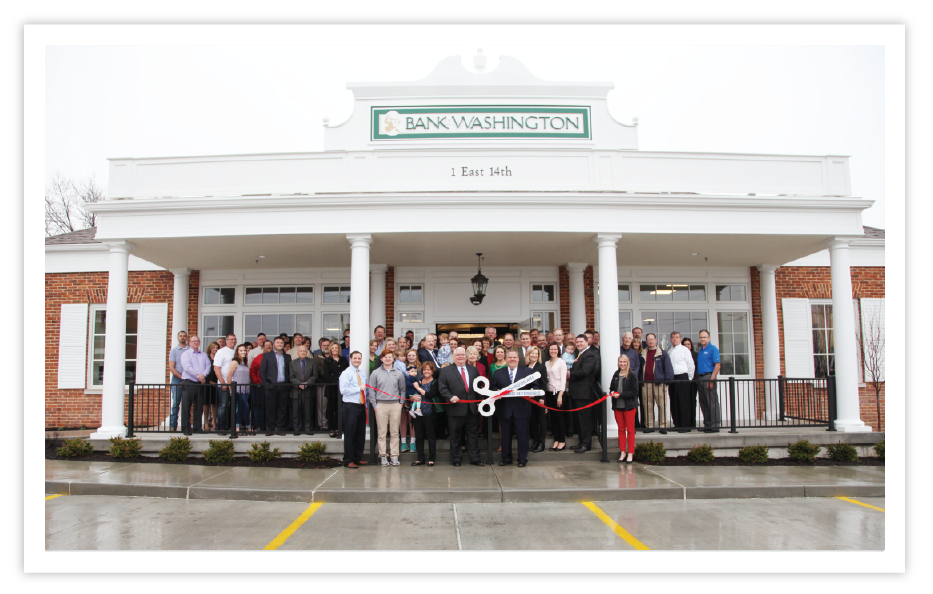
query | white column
[377, 297]
[577, 300]
[114, 393]
[770, 341]
[359, 292]
[847, 398]
[609, 343]
[180, 303]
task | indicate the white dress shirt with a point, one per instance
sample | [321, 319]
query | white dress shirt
[682, 360]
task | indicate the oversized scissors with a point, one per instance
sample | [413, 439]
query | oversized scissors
[488, 406]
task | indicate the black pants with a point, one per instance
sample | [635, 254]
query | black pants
[587, 418]
[301, 410]
[354, 432]
[679, 392]
[558, 419]
[256, 406]
[692, 388]
[276, 406]
[424, 428]
[459, 426]
[521, 428]
[192, 393]
[538, 424]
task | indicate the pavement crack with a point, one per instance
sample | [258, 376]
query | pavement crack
[498, 482]
[457, 524]
[314, 490]
[188, 490]
[667, 479]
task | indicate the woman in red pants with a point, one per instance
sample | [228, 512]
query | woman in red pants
[624, 390]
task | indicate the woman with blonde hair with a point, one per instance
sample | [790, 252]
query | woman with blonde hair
[624, 390]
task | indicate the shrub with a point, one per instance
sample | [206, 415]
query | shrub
[311, 452]
[756, 454]
[260, 452]
[218, 451]
[125, 448]
[879, 449]
[842, 452]
[650, 453]
[75, 447]
[803, 451]
[177, 449]
[701, 452]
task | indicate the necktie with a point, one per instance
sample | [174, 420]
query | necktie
[511, 376]
[463, 375]
[302, 368]
[359, 380]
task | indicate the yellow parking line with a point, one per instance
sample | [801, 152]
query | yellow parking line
[615, 527]
[860, 503]
[284, 534]
[53, 496]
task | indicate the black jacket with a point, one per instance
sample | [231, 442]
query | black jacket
[268, 368]
[584, 375]
[628, 398]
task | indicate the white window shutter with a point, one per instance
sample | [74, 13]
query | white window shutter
[151, 344]
[873, 314]
[798, 338]
[72, 347]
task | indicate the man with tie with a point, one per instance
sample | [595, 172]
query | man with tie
[303, 374]
[583, 390]
[522, 351]
[427, 353]
[352, 386]
[559, 339]
[455, 383]
[273, 371]
[516, 411]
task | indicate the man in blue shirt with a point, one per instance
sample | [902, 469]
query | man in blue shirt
[175, 369]
[707, 370]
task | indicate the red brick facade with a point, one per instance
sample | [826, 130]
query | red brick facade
[563, 290]
[74, 408]
[390, 301]
[814, 282]
[589, 291]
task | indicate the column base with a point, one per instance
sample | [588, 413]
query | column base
[108, 432]
[854, 426]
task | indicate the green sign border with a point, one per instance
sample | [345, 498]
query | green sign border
[583, 110]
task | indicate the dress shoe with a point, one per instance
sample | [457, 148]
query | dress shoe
[552, 449]
[456, 464]
[712, 430]
[504, 463]
[352, 465]
[683, 431]
[580, 449]
[268, 434]
[539, 447]
[281, 435]
[663, 431]
[560, 449]
[649, 430]
[297, 433]
[478, 463]
[361, 462]
[522, 464]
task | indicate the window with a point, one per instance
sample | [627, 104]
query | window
[411, 317]
[824, 359]
[277, 295]
[410, 294]
[730, 293]
[98, 335]
[662, 323]
[219, 295]
[419, 334]
[335, 324]
[733, 343]
[544, 320]
[625, 323]
[672, 292]
[336, 294]
[274, 324]
[542, 293]
[625, 295]
[214, 327]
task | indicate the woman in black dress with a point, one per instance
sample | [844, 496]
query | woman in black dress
[210, 393]
[334, 364]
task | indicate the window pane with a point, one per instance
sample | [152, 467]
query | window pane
[331, 324]
[665, 320]
[742, 365]
[97, 373]
[646, 293]
[697, 292]
[725, 343]
[287, 323]
[100, 317]
[253, 295]
[682, 322]
[345, 294]
[98, 347]
[663, 293]
[819, 342]
[270, 325]
[252, 325]
[130, 348]
[210, 326]
[226, 296]
[723, 293]
[681, 293]
[727, 367]
[536, 293]
[416, 294]
[211, 296]
[829, 315]
[738, 293]
[725, 323]
[698, 317]
[624, 293]
[625, 322]
[404, 294]
[332, 295]
[270, 295]
[305, 295]
[130, 373]
[740, 322]
[829, 342]
[287, 295]
[303, 324]
[132, 317]
[818, 319]
[226, 325]
[649, 322]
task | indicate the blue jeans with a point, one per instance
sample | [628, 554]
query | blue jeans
[223, 406]
[242, 408]
[176, 403]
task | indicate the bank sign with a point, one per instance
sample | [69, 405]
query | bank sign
[486, 121]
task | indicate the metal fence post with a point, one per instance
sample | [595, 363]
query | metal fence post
[372, 432]
[831, 397]
[732, 405]
[129, 412]
[604, 430]
[782, 395]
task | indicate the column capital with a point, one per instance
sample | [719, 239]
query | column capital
[180, 271]
[577, 266]
[768, 268]
[607, 239]
[383, 268]
[120, 245]
[360, 239]
[835, 243]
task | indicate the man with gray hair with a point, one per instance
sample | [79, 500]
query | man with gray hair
[682, 411]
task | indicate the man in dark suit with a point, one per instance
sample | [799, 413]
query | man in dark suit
[303, 374]
[583, 390]
[455, 383]
[273, 371]
[516, 412]
[527, 343]
[428, 352]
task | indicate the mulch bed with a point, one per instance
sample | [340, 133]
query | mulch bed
[197, 461]
[732, 461]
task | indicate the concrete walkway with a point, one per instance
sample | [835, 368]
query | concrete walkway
[539, 482]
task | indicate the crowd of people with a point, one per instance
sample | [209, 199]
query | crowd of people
[426, 392]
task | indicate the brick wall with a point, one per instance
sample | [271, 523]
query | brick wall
[815, 282]
[73, 408]
[390, 301]
[563, 290]
[589, 292]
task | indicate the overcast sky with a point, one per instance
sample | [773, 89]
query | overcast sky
[151, 101]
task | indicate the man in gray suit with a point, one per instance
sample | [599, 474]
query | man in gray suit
[303, 375]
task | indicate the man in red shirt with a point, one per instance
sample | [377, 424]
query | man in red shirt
[658, 373]
[256, 406]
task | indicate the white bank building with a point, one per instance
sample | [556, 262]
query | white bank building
[535, 175]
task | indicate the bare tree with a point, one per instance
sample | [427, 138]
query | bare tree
[871, 341]
[65, 202]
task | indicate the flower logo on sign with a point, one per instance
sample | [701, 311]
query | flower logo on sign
[392, 123]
